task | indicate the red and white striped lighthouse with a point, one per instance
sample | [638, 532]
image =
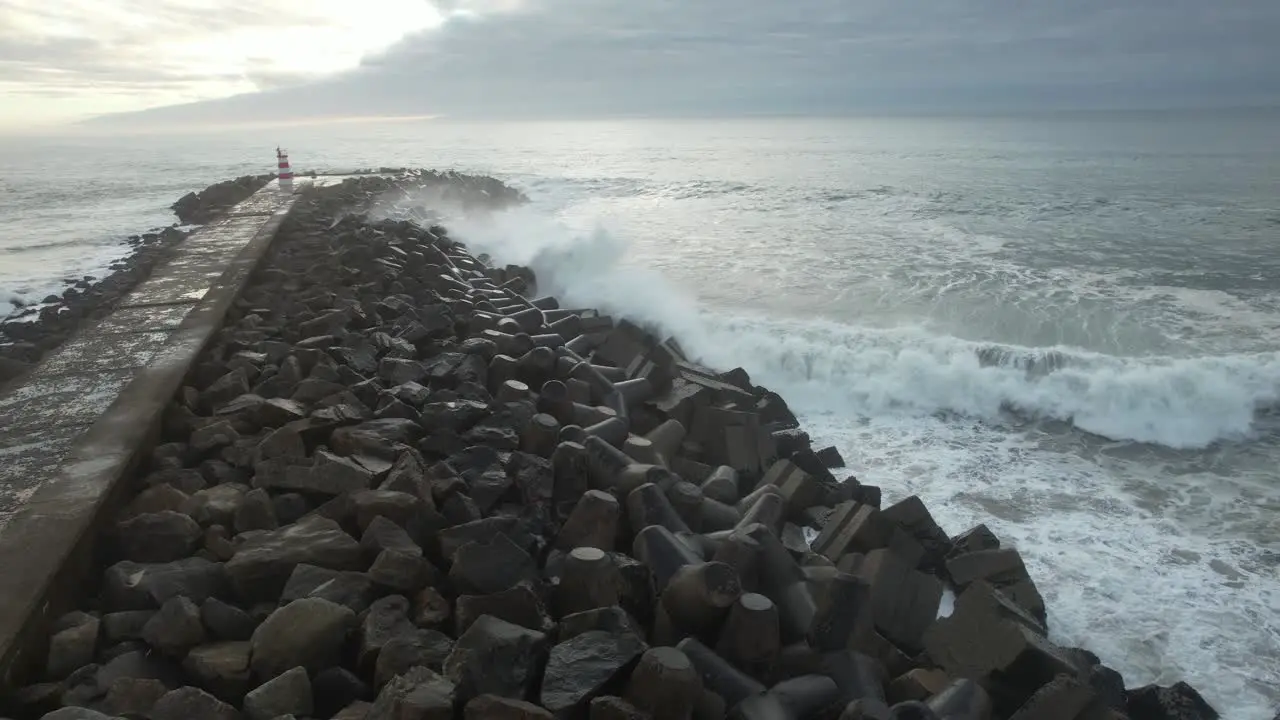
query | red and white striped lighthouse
[285, 172]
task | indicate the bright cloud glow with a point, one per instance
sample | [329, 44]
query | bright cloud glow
[72, 58]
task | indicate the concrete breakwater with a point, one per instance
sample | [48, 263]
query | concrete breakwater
[401, 484]
[32, 332]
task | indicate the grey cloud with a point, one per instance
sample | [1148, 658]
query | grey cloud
[563, 58]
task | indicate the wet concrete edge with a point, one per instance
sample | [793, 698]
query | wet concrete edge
[48, 546]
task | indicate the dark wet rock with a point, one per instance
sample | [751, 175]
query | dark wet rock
[1179, 701]
[221, 668]
[379, 438]
[73, 644]
[387, 618]
[261, 567]
[520, 605]
[124, 625]
[256, 512]
[329, 475]
[129, 585]
[308, 632]
[419, 694]
[191, 703]
[350, 589]
[483, 568]
[226, 622]
[158, 537]
[579, 668]
[155, 499]
[494, 707]
[336, 688]
[176, 628]
[611, 707]
[213, 436]
[495, 656]
[132, 697]
[75, 713]
[430, 608]
[402, 571]
[216, 505]
[384, 534]
[411, 649]
[286, 694]
[290, 507]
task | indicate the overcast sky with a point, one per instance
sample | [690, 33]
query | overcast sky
[272, 59]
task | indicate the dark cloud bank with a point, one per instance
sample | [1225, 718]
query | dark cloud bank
[585, 58]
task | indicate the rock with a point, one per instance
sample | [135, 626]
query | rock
[401, 571]
[73, 646]
[351, 589]
[419, 694]
[133, 697]
[216, 505]
[213, 436]
[158, 537]
[226, 622]
[483, 568]
[220, 668]
[493, 707]
[336, 688]
[407, 650]
[581, 667]
[358, 710]
[256, 512]
[286, 694]
[125, 625]
[176, 628]
[290, 507]
[384, 534]
[131, 663]
[495, 656]
[665, 684]
[155, 499]
[190, 703]
[309, 632]
[380, 438]
[328, 475]
[261, 567]
[610, 707]
[1179, 701]
[400, 508]
[430, 609]
[75, 713]
[387, 618]
[519, 605]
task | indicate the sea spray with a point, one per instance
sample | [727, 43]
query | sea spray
[832, 367]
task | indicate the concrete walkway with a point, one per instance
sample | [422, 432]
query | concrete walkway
[44, 413]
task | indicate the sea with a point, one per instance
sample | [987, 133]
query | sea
[1064, 326]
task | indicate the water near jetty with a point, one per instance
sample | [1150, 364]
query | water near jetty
[1066, 328]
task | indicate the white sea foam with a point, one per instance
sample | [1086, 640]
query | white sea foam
[945, 419]
[1174, 402]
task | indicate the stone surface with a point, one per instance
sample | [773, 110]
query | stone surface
[495, 656]
[176, 628]
[309, 632]
[192, 704]
[286, 694]
[220, 668]
[262, 566]
[579, 668]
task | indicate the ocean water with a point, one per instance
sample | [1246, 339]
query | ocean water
[1066, 327]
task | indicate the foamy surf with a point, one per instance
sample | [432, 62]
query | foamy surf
[1181, 403]
[1151, 585]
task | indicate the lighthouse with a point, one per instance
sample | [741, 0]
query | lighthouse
[285, 172]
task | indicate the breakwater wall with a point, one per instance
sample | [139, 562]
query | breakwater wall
[400, 483]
